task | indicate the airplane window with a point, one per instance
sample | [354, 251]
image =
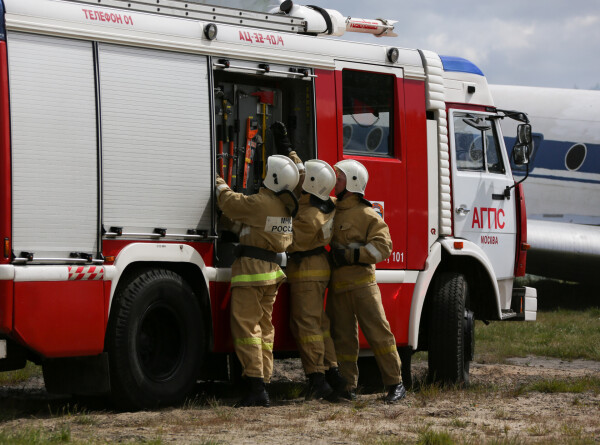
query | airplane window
[575, 156]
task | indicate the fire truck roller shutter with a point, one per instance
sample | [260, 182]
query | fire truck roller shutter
[156, 139]
[54, 146]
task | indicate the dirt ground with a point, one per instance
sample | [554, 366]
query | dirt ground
[494, 409]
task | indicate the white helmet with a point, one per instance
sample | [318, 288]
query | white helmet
[319, 179]
[357, 175]
[282, 174]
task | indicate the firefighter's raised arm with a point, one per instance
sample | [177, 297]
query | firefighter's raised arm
[283, 146]
[235, 206]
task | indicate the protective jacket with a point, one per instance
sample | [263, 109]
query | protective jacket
[266, 223]
[312, 232]
[358, 226]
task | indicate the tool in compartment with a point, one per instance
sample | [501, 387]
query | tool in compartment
[225, 139]
[251, 131]
[220, 170]
[231, 155]
[265, 98]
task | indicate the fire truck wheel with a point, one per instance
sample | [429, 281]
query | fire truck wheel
[450, 334]
[156, 340]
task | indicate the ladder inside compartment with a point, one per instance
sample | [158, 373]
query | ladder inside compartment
[208, 13]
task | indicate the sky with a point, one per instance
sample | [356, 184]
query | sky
[548, 43]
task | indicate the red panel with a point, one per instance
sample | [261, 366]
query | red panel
[62, 318]
[417, 180]
[6, 306]
[327, 124]
[521, 253]
[106, 287]
[5, 169]
[220, 296]
[396, 299]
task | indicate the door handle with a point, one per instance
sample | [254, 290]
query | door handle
[462, 211]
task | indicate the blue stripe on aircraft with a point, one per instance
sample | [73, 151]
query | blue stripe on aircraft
[551, 155]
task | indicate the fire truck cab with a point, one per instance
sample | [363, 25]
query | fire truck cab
[116, 116]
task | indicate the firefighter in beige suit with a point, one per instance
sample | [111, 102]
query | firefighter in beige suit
[360, 240]
[308, 271]
[256, 274]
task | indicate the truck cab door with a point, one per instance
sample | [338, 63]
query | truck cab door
[370, 105]
[482, 213]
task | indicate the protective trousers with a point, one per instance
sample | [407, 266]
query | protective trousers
[363, 304]
[252, 330]
[310, 326]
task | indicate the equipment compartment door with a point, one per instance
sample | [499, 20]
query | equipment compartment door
[479, 178]
[54, 145]
[156, 140]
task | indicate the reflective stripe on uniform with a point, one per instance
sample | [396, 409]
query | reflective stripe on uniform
[347, 358]
[267, 346]
[326, 334]
[220, 188]
[310, 339]
[311, 273]
[374, 252]
[248, 341]
[343, 284]
[245, 231]
[384, 350]
[255, 277]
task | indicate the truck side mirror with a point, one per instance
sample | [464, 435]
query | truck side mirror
[524, 134]
[522, 148]
[520, 154]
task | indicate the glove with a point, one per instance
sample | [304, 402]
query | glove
[344, 257]
[283, 146]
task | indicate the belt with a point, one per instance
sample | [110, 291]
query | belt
[299, 256]
[258, 253]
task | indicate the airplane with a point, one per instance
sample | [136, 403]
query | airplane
[562, 191]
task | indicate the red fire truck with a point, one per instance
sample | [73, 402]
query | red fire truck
[115, 117]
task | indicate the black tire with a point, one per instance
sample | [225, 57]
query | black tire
[450, 331]
[156, 340]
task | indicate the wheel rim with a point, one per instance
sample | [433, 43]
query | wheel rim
[160, 342]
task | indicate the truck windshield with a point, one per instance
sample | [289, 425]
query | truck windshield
[476, 143]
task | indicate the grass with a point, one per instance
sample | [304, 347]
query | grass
[573, 385]
[20, 375]
[563, 334]
[35, 436]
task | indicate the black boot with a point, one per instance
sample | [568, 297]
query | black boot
[318, 388]
[395, 393]
[335, 379]
[257, 394]
[337, 383]
[349, 394]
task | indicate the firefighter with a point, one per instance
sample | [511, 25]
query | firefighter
[360, 240]
[256, 274]
[308, 272]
